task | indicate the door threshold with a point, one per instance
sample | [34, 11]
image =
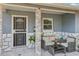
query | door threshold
[20, 46]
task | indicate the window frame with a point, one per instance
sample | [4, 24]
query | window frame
[44, 30]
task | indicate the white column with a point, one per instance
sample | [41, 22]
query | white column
[1, 12]
[38, 32]
[77, 22]
[77, 28]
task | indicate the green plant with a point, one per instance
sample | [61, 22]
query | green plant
[32, 39]
[78, 46]
[61, 38]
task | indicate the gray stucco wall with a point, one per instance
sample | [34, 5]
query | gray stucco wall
[65, 22]
[57, 19]
[7, 20]
[6, 23]
[68, 23]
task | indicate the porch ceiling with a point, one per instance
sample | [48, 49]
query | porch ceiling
[54, 8]
[71, 6]
[18, 7]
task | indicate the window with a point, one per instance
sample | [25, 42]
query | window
[20, 23]
[47, 24]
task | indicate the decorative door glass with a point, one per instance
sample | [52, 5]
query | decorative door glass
[19, 27]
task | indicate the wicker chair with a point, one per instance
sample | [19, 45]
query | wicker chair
[51, 50]
[71, 44]
[44, 46]
[56, 49]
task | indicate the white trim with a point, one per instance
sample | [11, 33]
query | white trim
[76, 17]
[55, 10]
[21, 32]
[21, 6]
[34, 8]
[43, 24]
[7, 6]
[75, 23]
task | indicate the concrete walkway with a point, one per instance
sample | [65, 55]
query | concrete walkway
[24, 51]
[46, 53]
[20, 51]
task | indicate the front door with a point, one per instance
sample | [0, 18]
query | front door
[19, 30]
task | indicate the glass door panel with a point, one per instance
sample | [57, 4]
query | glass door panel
[19, 27]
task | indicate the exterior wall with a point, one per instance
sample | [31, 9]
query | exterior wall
[7, 20]
[61, 23]
[7, 23]
[68, 23]
[57, 20]
[7, 26]
[1, 15]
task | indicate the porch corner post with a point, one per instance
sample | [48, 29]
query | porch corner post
[38, 32]
[77, 28]
[1, 15]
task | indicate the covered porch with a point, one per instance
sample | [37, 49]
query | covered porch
[40, 22]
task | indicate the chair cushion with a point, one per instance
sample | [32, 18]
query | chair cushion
[64, 44]
[48, 40]
[70, 39]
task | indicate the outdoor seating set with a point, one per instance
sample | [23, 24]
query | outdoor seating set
[59, 42]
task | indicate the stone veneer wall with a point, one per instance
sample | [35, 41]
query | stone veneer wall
[1, 13]
[7, 42]
[38, 32]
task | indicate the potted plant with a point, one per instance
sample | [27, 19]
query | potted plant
[78, 47]
[32, 41]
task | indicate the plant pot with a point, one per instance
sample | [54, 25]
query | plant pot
[32, 45]
[78, 49]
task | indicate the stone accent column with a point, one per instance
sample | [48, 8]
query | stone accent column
[38, 32]
[1, 13]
